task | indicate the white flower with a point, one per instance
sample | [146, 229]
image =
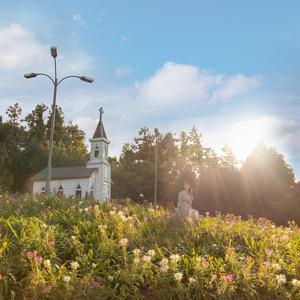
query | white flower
[80, 210]
[175, 257]
[74, 265]
[164, 265]
[66, 279]
[296, 283]
[94, 265]
[276, 267]
[192, 280]
[136, 252]
[112, 212]
[281, 279]
[136, 261]
[73, 237]
[123, 242]
[123, 218]
[110, 278]
[80, 202]
[86, 209]
[151, 252]
[47, 263]
[146, 258]
[178, 276]
[102, 227]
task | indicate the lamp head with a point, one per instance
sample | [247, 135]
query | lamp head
[53, 52]
[86, 79]
[30, 75]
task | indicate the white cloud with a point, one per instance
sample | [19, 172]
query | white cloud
[19, 48]
[78, 19]
[178, 84]
[123, 71]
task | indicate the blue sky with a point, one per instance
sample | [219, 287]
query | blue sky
[229, 67]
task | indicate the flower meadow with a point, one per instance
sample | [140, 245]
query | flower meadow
[66, 248]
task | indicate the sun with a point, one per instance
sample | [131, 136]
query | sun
[243, 136]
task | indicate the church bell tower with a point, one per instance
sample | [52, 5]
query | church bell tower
[99, 159]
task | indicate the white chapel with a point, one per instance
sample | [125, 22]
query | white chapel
[94, 179]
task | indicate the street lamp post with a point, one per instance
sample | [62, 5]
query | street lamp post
[155, 166]
[55, 82]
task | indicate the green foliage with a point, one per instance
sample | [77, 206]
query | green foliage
[64, 248]
[24, 146]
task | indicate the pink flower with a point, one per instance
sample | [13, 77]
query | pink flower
[269, 252]
[39, 259]
[227, 277]
[31, 254]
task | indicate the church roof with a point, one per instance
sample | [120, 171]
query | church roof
[100, 132]
[65, 173]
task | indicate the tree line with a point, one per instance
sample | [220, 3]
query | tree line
[263, 185]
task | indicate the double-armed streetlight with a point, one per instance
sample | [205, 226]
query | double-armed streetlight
[155, 166]
[55, 82]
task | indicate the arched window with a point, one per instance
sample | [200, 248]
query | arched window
[43, 191]
[92, 191]
[60, 191]
[78, 191]
[96, 153]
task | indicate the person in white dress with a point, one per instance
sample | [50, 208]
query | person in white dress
[184, 205]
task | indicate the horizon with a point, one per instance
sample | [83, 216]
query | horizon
[202, 64]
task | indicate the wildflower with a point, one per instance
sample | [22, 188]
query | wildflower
[296, 283]
[86, 209]
[74, 265]
[281, 279]
[175, 257]
[31, 254]
[178, 276]
[164, 265]
[80, 210]
[146, 258]
[112, 212]
[102, 227]
[226, 277]
[136, 252]
[151, 252]
[276, 267]
[110, 278]
[123, 242]
[213, 277]
[66, 279]
[73, 237]
[80, 202]
[269, 252]
[141, 195]
[192, 280]
[136, 261]
[94, 265]
[47, 263]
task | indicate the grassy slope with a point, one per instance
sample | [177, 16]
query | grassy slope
[227, 258]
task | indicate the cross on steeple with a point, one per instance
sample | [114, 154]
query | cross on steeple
[101, 113]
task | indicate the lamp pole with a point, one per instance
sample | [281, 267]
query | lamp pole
[155, 166]
[55, 82]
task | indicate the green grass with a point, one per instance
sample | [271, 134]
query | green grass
[52, 248]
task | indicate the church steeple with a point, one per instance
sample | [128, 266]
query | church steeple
[100, 131]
